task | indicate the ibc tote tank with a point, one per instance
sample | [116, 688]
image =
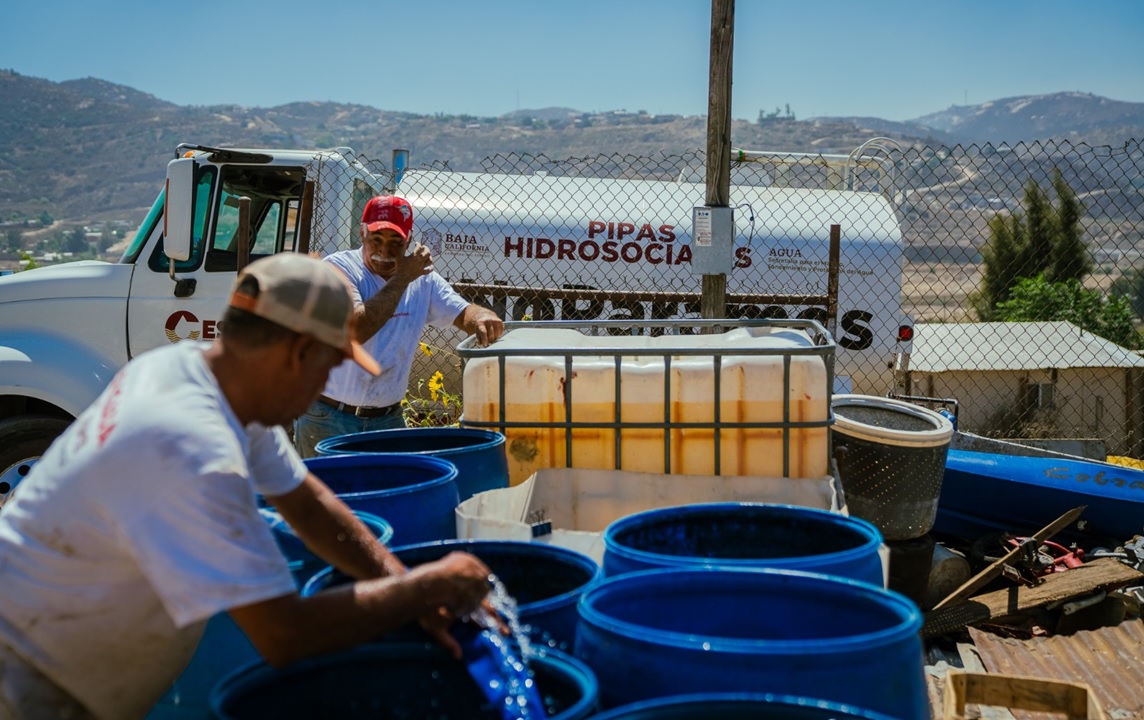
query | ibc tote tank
[776, 410]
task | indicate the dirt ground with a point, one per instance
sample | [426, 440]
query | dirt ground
[938, 292]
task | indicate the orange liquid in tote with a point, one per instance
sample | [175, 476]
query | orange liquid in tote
[752, 390]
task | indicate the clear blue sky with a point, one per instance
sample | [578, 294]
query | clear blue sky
[895, 59]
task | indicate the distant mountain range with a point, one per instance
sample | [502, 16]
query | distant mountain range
[1074, 116]
[88, 150]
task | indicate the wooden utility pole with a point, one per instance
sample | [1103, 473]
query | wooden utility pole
[714, 300]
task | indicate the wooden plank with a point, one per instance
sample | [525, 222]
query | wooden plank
[971, 663]
[996, 567]
[305, 218]
[832, 279]
[1075, 700]
[1000, 605]
[1100, 574]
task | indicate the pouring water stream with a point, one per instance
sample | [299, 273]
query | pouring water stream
[499, 664]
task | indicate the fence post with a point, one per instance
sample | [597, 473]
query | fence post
[714, 300]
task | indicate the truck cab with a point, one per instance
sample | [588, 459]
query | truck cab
[66, 330]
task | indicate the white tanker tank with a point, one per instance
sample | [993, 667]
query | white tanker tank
[520, 243]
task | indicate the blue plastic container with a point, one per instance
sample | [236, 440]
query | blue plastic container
[417, 495]
[303, 563]
[545, 580]
[392, 680]
[495, 663]
[478, 454]
[659, 633]
[224, 647]
[735, 706]
[744, 535]
[984, 492]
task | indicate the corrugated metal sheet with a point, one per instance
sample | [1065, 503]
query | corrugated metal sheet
[940, 347]
[1110, 660]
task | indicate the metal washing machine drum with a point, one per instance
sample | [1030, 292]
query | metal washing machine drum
[894, 462]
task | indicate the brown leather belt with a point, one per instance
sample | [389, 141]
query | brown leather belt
[362, 412]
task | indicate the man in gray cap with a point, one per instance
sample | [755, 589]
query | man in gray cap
[141, 521]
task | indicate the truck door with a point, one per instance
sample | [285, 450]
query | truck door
[163, 310]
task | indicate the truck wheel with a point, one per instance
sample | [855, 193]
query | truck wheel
[22, 441]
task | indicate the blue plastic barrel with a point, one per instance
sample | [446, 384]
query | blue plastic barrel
[392, 680]
[659, 633]
[743, 535]
[736, 706]
[478, 454]
[224, 646]
[545, 580]
[417, 495]
[303, 563]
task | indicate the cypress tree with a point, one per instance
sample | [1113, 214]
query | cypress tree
[1002, 259]
[1070, 258]
[1043, 240]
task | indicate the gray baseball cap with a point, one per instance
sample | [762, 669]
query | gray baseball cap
[308, 296]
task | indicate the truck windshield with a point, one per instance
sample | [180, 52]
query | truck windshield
[274, 192]
[144, 231]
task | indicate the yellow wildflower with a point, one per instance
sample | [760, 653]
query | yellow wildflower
[436, 383]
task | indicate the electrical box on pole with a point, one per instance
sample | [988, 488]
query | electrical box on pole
[712, 237]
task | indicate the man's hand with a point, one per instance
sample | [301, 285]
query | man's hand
[415, 264]
[454, 586]
[483, 323]
[375, 311]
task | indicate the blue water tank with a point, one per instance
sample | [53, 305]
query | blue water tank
[416, 494]
[744, 535]
[478, 454]
[659, 633]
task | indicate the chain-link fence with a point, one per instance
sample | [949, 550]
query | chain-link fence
[1018, 267]
[1043, 241]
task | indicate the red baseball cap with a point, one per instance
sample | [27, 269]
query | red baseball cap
[388, 211]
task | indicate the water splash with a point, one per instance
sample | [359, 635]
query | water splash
[505, 605]
[499, 664]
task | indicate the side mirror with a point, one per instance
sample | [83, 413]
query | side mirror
[179, 209]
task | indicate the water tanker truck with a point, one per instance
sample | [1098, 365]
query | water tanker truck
[515, 242]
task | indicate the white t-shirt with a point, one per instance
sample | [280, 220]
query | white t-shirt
[138, 524]
[428, 300]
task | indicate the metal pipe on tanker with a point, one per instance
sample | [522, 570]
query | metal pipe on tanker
[400, 164]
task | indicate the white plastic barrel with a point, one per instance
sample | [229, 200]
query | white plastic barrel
[752, 390]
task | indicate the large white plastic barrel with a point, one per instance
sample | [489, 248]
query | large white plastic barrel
[753, 389]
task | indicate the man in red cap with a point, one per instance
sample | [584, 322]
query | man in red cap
[396, 294]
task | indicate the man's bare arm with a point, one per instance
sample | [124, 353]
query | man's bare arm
[331, 530]
[374, 312]
[290, 627]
